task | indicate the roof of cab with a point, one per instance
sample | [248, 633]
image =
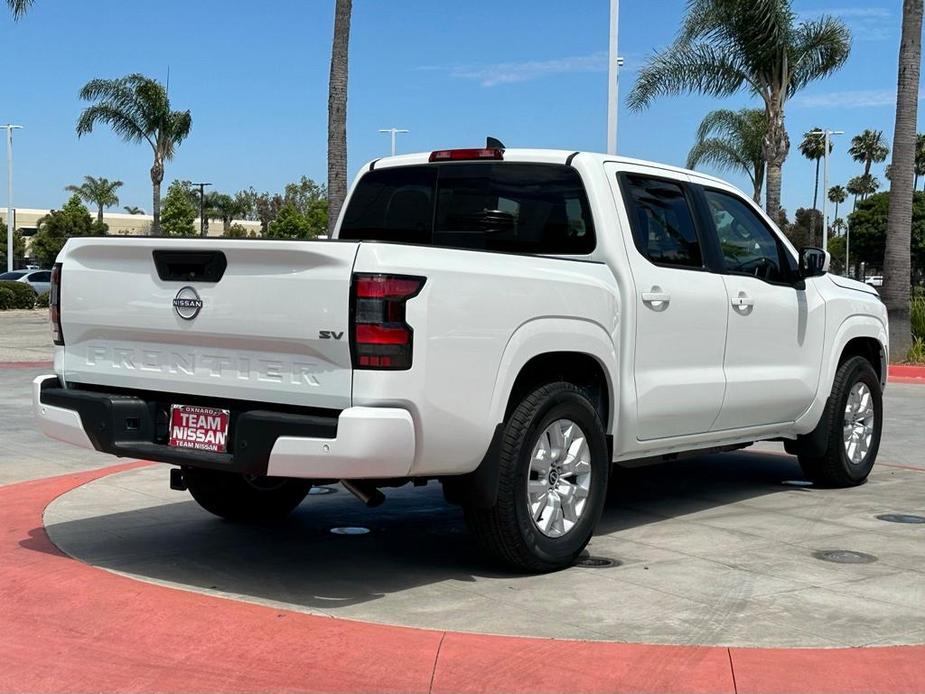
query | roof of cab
[544, 156]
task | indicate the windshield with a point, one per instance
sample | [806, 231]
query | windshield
[496, 206]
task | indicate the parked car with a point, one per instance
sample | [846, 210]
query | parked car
[39, 280]
[511, 323]
[875, 281]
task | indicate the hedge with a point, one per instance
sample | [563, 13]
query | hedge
[7, 299]
[41, 301]
[23, 294]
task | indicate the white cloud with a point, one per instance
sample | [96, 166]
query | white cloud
[865, 23]
[491, 75]
[856, 98]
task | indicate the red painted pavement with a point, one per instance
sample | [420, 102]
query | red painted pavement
[25, 364]
[69, 627]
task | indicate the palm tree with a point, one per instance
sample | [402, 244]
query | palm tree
[97, 191]
[337, 112]
[131, 209]
[869, 185]
[897, 258]
[868, 147]
[731, 140]
[19, 7]
[855, 187]
[813, 148]
[726, 46]
[137, 108]
[838, 195]
[224, 207]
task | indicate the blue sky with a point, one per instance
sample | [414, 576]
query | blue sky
[254, 75]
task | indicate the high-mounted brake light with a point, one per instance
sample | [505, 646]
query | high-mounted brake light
[379, 336]
[54, 305]
[466, 154]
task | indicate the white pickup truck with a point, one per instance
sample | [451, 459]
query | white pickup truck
[508, 322]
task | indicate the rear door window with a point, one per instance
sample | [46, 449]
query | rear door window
[494, 206]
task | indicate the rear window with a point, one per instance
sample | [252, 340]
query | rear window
[493, 206]
[11, 275]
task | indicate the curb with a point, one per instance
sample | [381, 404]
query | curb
[906, 373]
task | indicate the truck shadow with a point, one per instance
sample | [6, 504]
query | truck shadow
[415, 540]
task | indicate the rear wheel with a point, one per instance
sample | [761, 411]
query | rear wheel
[244, 498]
[852, 422]
[553, 467]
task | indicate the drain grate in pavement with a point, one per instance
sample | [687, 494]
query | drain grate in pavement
[355, 530]
[901, 518]
[589, 562]
[844, 556]
[315, 491]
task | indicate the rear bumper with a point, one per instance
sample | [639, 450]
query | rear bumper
[360, 442]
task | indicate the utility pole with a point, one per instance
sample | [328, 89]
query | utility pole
[9, 192]
[826, 134]
[615, 62]
[202, 200]
[393, 132]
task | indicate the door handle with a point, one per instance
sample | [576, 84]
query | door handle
[742, 301]
[656, 298]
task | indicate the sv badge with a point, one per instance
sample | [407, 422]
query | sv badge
[330, 334]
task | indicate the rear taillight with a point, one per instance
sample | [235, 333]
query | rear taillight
[380, 338]
[54, 305]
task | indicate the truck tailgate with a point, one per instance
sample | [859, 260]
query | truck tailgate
[273, 328]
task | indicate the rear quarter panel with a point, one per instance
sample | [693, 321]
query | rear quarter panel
[478, 319]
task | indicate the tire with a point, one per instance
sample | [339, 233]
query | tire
[237, 498]
[508, 530]
[835, 468]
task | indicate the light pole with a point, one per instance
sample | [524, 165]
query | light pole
[393, 132]
[9, 192]
[826, 134]
[202, 200]
[615, 62]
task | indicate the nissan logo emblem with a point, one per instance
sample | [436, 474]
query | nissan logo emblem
[187, 303]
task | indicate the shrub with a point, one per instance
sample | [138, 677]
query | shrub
[917, 317]
[916, 352]
[23, 294]
[7, 299]
[41, 301]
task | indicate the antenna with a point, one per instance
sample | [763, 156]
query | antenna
[493, 143]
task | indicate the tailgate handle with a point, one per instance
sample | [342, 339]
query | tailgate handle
[190, 266]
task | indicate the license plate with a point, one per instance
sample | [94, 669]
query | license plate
[202, 428]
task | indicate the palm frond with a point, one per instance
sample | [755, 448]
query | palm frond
[688, 68]
[721, 154]
[818, 49]
[19, 8]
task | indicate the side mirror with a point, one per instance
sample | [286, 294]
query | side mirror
[814, 262]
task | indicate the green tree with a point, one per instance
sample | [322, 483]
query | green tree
[868, 148]
[726, 46]
[238, 231]
[97, 191]
[337, 110]
[224, 207]
[179, 211]
[19, 246]
[138, 110]
[802, 231]
[838, 195]
[132, 209]
[919, 158]
[732, 141]
[55, 228]
[869, 222]
[290, 224]
[897, 275]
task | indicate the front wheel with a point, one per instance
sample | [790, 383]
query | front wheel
[243, 498]
[851, 426]
[553, 467]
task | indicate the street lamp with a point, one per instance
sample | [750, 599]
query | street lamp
[9, 191]
[614, 62]
[393, 132]
[202, 199]
[826, 134]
